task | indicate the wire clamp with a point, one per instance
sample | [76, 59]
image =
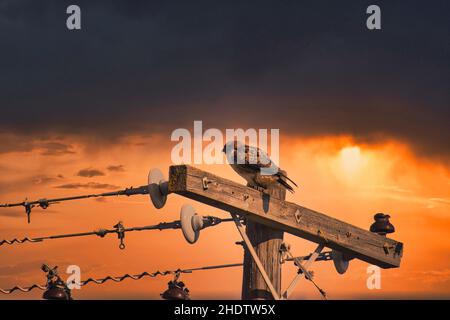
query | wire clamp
[120, 230]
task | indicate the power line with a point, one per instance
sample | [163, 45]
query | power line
[45, 203]
[124, 277]
[119, 229]
[23, 289]
[157, 273]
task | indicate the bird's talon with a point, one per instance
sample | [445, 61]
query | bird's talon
[260, 189]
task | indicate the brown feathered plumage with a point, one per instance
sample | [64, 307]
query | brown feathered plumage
[255, 166]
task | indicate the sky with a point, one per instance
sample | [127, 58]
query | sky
[363, 118]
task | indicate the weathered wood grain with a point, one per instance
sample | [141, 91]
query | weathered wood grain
[286, 216]
[266, 242]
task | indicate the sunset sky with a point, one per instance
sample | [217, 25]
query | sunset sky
[363, 118]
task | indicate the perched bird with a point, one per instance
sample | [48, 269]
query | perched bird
[255, 166]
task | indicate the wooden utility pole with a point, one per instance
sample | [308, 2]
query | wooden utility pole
[266, 242]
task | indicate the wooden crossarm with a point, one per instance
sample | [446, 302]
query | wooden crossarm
[311, 225]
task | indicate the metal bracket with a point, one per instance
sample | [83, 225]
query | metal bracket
[120, 230]
[303, 269]
[255, 257]
[205, 182]
[28, 206]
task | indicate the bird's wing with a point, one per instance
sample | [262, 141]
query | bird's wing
[259, 159]
[256, 158]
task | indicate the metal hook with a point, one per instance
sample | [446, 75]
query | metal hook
[284, 248]
[120, 230]
[206, 182]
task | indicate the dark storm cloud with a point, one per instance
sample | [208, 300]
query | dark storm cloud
[18, 182]
[305, 67]
[89, 173]
[55, 149]
[12, 143]
[89, 185]
[45, 179]
[116, 168]
[28, 143]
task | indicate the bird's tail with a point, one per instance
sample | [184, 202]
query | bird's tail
[286, 185]
[283, 175]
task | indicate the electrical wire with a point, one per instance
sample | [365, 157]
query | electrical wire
[136, 276]
[45, 203]
[124, 277]
[119, 229]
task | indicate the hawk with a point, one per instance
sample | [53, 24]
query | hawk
[255, 166]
